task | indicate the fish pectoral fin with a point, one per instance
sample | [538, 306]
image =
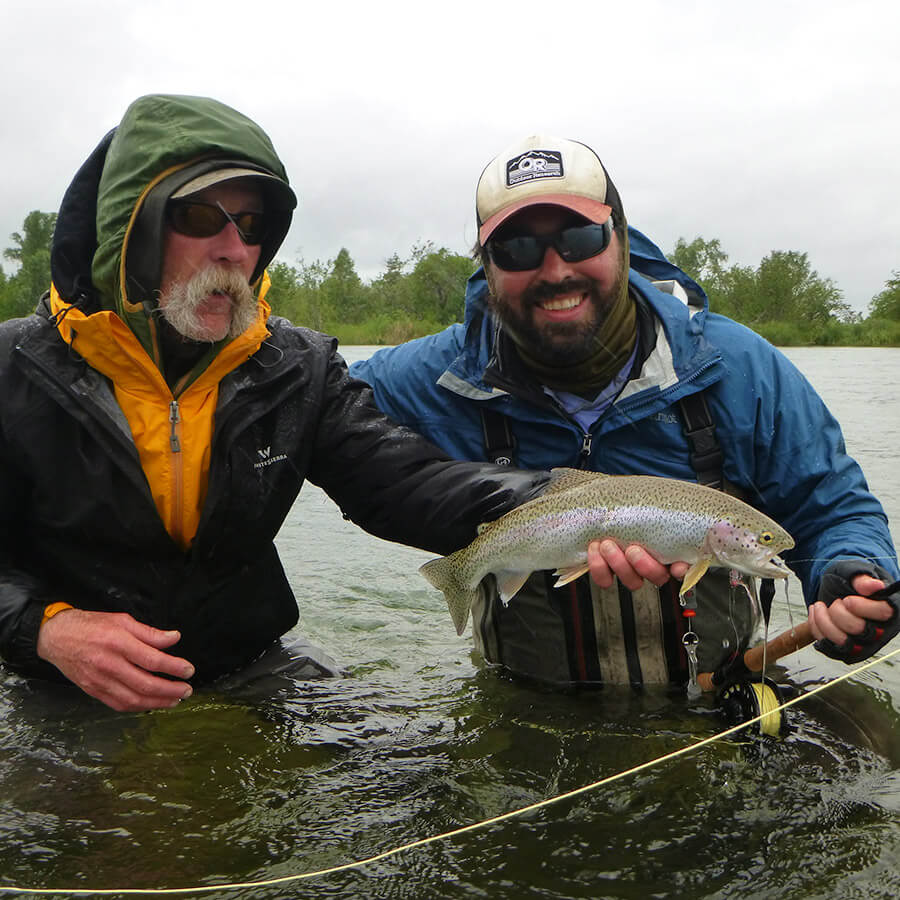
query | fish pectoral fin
[693, 575]
[510, 583]
[570, 573]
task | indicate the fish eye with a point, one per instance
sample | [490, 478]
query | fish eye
[766, 537]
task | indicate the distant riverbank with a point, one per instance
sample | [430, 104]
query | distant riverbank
[868, 333]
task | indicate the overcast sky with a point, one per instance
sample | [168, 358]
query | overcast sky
[767, 125]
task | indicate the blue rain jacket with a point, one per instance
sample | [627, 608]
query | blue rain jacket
[781, 445]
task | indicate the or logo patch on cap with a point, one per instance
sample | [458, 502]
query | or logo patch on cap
[534, 164]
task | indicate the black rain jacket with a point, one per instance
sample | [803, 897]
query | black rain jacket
[78, 522]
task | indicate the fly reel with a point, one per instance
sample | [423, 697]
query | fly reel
[742, 701]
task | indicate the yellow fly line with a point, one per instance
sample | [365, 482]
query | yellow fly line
[769, 710]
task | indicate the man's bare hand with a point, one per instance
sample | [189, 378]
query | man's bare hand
[113, 657]
[632, 566]
[848, 615]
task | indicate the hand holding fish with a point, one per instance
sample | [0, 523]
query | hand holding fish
[629, 521]
[632, 565]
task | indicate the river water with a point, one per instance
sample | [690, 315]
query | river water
[280, 777]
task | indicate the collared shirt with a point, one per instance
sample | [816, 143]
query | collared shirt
[585, 411]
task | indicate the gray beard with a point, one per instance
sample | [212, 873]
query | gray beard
[179, 305]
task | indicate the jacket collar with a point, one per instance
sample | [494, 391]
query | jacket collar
[108, 345]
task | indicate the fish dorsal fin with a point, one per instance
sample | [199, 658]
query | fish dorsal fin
[563, 479]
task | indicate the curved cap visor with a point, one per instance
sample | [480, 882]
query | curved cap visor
[593, 210]
[285, 195]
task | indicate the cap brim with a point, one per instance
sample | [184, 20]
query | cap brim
[218, 176]
[593, 210]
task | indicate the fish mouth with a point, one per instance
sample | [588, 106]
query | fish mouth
[761, 566]
[775, 567]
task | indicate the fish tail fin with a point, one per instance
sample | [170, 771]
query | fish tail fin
[443, 573]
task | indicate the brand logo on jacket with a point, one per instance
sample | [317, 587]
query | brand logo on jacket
[266, 458]
[534, 164]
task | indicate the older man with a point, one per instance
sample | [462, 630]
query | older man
[157, 423]
[584, 347]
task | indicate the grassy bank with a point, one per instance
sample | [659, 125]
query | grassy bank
[380, 331]
[869, 333]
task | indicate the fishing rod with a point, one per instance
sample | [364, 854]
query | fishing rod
[795, 638]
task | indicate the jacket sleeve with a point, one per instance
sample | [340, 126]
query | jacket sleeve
[397, 485]
[792, 456]
[404, 378]
[23, 596]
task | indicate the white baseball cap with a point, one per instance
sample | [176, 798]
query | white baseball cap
[543, 170]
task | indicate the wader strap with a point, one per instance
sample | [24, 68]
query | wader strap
[499, 448]
[630, 636]
[499, 441]
[697, 424]
[707, 459]
[706, 454]
[575, 606]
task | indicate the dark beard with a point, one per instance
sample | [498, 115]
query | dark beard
[559, 343]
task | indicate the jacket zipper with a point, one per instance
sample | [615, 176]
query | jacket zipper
[585, 453]
[177, 471]
[667, 392]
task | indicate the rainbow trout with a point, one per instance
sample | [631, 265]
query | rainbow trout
[674, 520]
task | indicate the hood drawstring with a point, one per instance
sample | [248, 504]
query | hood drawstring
[82, 292]
[57, 317]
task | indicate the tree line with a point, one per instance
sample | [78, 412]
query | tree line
[783, 298]
[786, 300]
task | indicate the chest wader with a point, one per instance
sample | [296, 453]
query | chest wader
[582, 633]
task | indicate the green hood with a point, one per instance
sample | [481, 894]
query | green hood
[162, 142]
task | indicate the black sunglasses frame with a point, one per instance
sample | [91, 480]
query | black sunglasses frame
[252, 226]
[524, 253]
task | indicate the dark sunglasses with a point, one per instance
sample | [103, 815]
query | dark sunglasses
[203, 220]
[575, 244]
